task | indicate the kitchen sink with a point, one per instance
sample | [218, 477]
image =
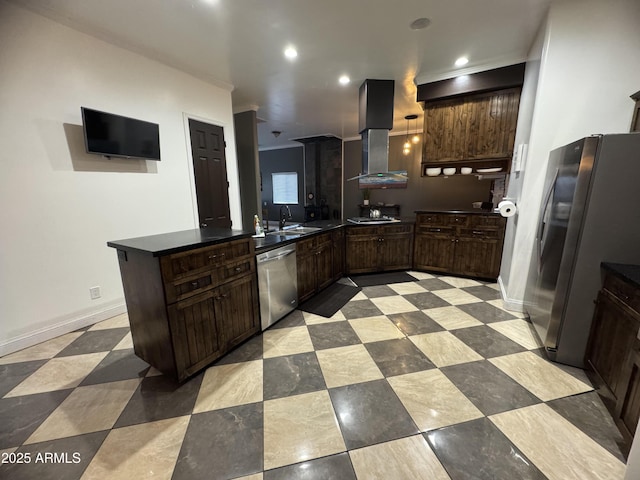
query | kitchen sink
[294, 230]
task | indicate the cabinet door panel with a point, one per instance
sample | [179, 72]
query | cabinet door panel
[477, 257]
[362, 253]
[628, 407]
[306, 273]
[434, 252]
[194, 332]
[396, 251]
[613, 333]
[324, 267]
[236, 310]
[337, 239]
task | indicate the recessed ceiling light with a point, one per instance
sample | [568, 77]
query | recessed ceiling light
[344, 80]
[420, 23]
[462, 61]
[290, 53]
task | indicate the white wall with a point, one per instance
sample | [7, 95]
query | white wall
[590, 66]
[58, 205]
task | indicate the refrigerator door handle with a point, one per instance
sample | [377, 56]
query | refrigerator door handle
[542, 222]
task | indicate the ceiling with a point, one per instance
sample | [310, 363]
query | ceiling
[239, 44]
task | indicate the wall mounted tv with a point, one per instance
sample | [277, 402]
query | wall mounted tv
[117, 136]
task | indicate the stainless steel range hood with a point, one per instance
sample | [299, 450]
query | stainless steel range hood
[375, 121]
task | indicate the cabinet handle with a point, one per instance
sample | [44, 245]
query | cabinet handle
[222, 297]
[477, 232]
[211, 257]
[194, 284]
[237, 269]
[435, 230]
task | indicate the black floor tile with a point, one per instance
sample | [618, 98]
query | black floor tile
[74, 456]
[335, 467]
[13, 374]
[360, 309]
[426, 300]
[117, 365]
[377, 291]
[332, 335]
[21, 416]
[587, 412]
[94, 341]
[159, 397]
[432, 284]
[486, 313]
[250, 350]
[292, 375]
[222, 444]
[477, 450]
[293, 319]
[370, 413]
[488, 388]
[414, 323]
[488, 342]
[382, 279]
[398, 356]
[483, 292]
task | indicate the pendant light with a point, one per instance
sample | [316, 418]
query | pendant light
[416, 138]
[406, 149]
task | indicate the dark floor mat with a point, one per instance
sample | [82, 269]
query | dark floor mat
[329, 301]
[382, 279]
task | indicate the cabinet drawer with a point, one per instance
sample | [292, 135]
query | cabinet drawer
[434, 230]
[430, 219]
[480, 233]
[184, 264]
[627, 293]
[323, 239]
[361, 231]
[189, 286]
[457, 220]
[487, 221]
[234, 270]
[306, 246]
[393, 229]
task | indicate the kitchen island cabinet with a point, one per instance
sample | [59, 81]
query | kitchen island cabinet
[465, 243]
[376, 248]
[613, 351]
[191, 296]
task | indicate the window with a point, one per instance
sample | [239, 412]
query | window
[285, 187]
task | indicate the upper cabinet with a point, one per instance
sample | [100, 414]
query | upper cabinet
[475, 127]
[471, 120]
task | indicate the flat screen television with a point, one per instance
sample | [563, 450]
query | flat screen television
[117, 136]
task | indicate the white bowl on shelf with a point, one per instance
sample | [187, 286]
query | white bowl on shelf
[449, 171]
[433, 172]
[466, 170]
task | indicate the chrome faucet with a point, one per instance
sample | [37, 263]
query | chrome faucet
[284, 216]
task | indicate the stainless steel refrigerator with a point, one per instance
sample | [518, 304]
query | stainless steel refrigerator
[590, 213]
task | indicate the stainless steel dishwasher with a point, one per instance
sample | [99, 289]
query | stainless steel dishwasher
[277, 284]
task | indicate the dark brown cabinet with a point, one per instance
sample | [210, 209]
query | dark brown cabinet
[338, 254]
[463, 244]
[635, 121]
[189, 308]
[315, 266]
[613, 352]
[378, 248]
[472, 127]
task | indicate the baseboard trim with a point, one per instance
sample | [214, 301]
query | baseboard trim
[78, 320]
[510, 303]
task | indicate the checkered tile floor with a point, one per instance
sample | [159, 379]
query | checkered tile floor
[430, 379]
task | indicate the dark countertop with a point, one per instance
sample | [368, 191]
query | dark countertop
[269, 242]
[174, 242]
[476, 211]
[630, 273]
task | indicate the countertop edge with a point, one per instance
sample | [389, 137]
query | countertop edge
[460, 212]
[628, 272]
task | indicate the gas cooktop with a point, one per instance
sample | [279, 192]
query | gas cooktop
[370, 220]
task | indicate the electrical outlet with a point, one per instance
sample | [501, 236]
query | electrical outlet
[94, 292]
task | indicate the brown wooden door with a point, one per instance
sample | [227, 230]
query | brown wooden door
[337, 238]
[210, 172]
[396, 250]
[362, 247]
